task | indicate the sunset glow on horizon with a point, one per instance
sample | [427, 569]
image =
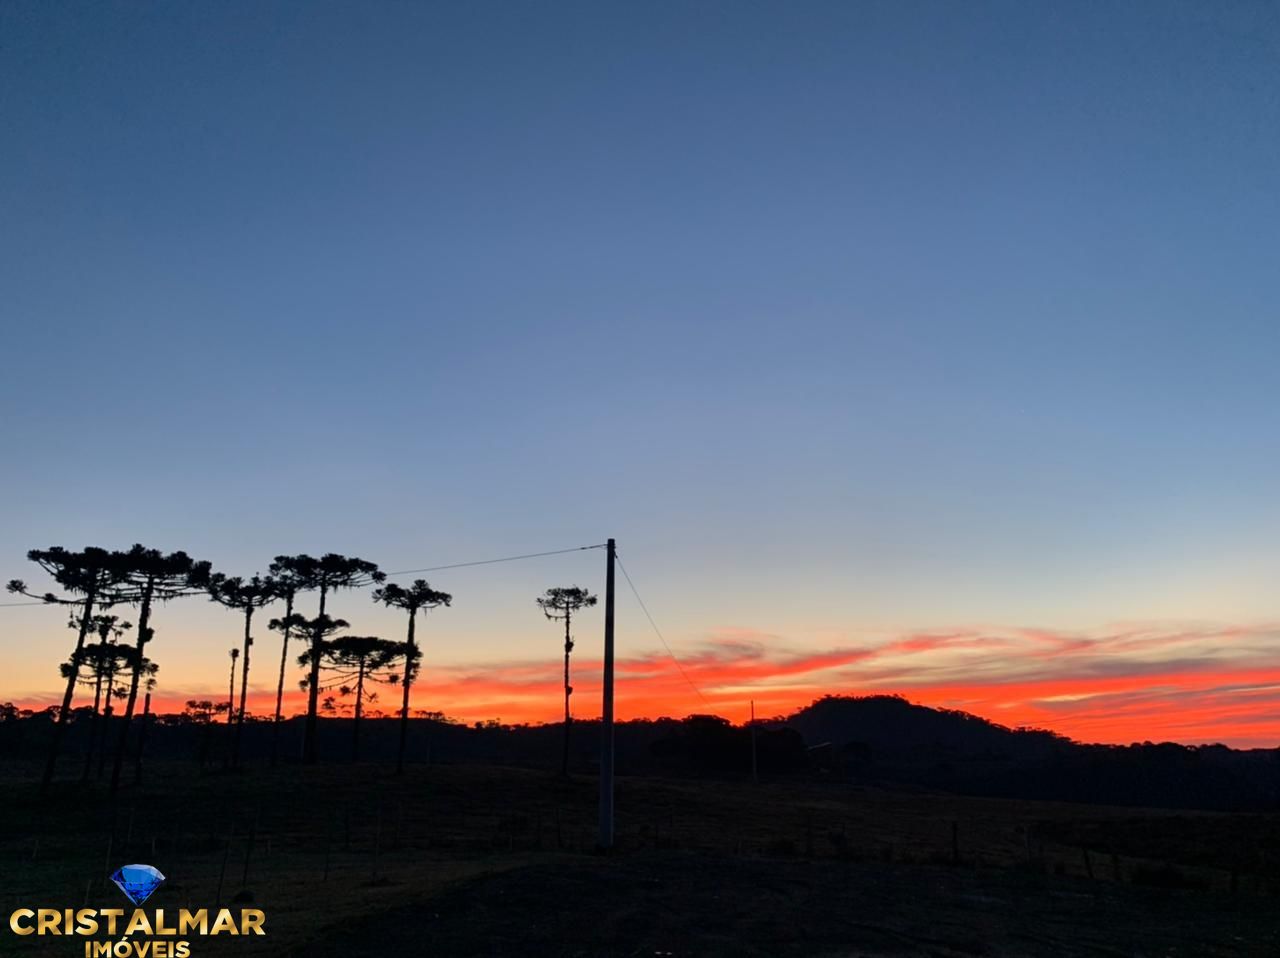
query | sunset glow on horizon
[598, 477]
[914, 348]
[1193, 685]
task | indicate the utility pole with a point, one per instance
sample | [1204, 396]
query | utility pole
[606, 722]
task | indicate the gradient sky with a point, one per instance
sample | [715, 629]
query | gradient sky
[921, 347]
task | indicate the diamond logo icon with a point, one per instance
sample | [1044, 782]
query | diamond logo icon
[138, 882]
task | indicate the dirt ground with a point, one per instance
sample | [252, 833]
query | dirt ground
[671, 904]
[468, 860]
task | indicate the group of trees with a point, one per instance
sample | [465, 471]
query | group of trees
[94, 580]
[103, 662]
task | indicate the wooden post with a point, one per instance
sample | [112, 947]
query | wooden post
[606, 723]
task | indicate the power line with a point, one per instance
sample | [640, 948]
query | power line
[658, 632]
[531, 555]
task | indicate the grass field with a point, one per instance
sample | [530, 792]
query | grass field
[473, 860]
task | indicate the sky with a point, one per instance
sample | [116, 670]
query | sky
[907, 346]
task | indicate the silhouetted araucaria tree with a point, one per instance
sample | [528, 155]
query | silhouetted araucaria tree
[148, 576]
[234, 654]
[352, 662]
[326, 574]
[322, 626]
[125, 666]
[101, 661]
[561, 603]
[89, 576]
[417, 596]
[247, 596]
[293, 574]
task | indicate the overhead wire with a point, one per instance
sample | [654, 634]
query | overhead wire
[529, 555]
[658, 632]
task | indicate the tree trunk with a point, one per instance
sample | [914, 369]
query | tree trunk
[58, 729]
[313, 694]
[355, 727]
[142, 739]
[97, 718]
[244, 682]
[144, 636]
[408, 681]
[568, 690]
[108, 710]
[97, 688]
[284, 661]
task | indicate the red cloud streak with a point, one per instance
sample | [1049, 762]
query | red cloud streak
[1136, 684]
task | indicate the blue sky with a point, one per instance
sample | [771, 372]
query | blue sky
[841, 317]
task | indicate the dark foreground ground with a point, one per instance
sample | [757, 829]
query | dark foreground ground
[687, 904]
[477, 861]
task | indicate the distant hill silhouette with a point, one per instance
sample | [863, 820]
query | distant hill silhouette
[881, 739]
[888, 739]
[890, 722]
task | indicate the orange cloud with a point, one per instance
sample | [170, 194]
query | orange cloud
[1134, 683]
